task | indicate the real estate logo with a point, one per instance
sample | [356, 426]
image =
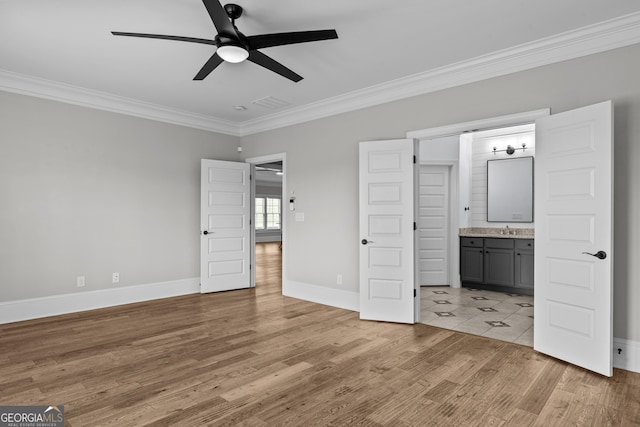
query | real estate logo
[32, 416]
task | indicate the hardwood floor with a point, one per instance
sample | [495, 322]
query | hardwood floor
[256, 358]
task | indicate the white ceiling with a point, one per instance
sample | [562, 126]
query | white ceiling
[65, 48]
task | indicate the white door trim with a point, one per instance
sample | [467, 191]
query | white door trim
[266, 159]
[482, 124]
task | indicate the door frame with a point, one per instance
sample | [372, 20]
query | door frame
[283, 219]
[526, 117]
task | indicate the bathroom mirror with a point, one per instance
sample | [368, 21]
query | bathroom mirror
[510, 190]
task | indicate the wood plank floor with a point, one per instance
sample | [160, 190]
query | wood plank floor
[256, 358]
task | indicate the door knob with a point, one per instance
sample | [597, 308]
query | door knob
[599, 254]
[365, 241]
[205, 232]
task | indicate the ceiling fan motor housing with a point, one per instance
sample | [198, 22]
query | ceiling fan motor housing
[231, 41]
[233, 10]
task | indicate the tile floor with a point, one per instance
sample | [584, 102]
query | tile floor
[505, 317]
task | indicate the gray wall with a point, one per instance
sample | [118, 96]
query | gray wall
[268, 189]
[322, 162]
[87, 192]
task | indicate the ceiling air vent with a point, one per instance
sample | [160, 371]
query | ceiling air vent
[271, 103]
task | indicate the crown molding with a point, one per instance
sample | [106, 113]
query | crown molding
[47, 89]
[614, 33]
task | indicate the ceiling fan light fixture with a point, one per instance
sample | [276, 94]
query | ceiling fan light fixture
[233, 46]
[233, 53]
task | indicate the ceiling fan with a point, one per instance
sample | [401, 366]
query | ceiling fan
[233, 46]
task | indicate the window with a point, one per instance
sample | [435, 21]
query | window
[267, 213]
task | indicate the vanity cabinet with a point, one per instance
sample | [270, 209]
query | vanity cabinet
[499, 262]
[524, 264]
[472, 260]
[502, 264]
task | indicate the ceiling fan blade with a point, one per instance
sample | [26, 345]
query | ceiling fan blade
[270, 64]
[220, 18]
[279, 39]
[208, 67]
[165, 37]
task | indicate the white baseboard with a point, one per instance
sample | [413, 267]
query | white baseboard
[629, 356]
[339, 298]
[34, 308]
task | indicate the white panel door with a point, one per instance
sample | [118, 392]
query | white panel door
[225, 251]
[386, 230]
[433, 226]
[574, 218]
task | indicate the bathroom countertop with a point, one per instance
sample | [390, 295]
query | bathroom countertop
[500, 233]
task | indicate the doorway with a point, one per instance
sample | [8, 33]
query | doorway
[268, 221]
[573, 202]
[464, 150]
[445, 300]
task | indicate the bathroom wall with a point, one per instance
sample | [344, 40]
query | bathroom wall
[482, 151]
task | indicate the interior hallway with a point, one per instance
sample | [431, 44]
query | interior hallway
[269, 267]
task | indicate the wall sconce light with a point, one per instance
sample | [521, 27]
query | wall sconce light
[510, 149]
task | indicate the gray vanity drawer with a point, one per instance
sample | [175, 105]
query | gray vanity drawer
[524, 244]
[472, 242]
[498, 243]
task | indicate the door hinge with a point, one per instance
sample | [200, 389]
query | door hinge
[415, 293]
[415, 160]
[250, 177]
[415, 226]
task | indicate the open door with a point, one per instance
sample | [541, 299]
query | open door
[387, 200]
[574, 237]
[225, 251]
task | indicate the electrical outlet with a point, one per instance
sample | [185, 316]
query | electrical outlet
[115, 278]
[339, 279]
[80, 281]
